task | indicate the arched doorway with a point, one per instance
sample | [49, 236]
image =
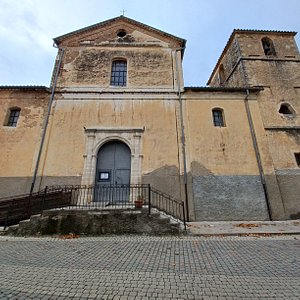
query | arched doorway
[113, 169]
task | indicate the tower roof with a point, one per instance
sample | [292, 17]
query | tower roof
[246, 31]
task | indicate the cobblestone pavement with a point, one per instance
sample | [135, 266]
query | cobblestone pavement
[137, 267]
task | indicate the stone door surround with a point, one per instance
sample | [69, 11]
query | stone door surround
[96, 137]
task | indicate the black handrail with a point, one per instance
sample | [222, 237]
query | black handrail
[20, 207]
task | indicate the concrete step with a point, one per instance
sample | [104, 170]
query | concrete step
[97, 223]
[12, 230]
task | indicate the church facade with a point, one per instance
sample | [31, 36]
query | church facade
[117, 111]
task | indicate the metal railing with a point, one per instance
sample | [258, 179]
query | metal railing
[167, 204]
[17, 208]
[21, 207]
[103, 196]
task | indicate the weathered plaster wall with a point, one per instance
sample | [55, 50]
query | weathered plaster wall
[279, 75]
[19, 144]
[251, 46]
[89, 55]
[280, 81]
[230, 64]
[226, 183]
[283, 145]
[67, 138]
[91, 66]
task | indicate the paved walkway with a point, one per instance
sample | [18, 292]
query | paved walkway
[137, 267]
[244, 227]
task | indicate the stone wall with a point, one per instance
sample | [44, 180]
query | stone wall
[88, 66]
[95, 222]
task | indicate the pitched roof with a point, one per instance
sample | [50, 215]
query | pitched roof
[245, 31]
[222, 89]
[25, 87]
[59, 39]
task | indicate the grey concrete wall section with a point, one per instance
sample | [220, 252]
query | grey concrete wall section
[59, 180]
[289, 184]
[275, 198]
[10, 186]
[223, 198]
[14, 186]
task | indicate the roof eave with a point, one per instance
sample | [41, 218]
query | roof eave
[25, 87]
[59, 39]
[224, 89]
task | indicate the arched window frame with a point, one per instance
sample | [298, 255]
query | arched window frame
[118, 75]
[218, 117]
[221, 74]
[284, 106]
[12, 116]
[268, 46]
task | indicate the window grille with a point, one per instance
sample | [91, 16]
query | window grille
[119, 73]
[218, 117]
[13, 117]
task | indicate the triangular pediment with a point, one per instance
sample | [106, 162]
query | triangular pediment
[112, 31]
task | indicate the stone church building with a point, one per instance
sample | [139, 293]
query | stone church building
[117, 111]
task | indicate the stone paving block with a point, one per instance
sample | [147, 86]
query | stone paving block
[135, 267]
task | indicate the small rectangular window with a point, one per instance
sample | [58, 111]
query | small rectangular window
[13, 117]
[218, 118]
[297, 157]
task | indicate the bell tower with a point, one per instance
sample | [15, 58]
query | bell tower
[270, 60]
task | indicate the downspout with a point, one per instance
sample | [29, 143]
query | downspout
[45, 125]
[182, 134]
[257, 153]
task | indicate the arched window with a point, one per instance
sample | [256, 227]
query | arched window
[268, 46]
[218, 117]
[119, 73]
[286, 109]
[221, 74]
[13, 116]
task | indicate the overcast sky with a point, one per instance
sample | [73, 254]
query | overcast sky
[28, 26]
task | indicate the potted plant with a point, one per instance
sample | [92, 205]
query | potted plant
[139, 201]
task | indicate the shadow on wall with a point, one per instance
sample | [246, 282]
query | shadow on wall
[165, 179]
[289, 183]
[10, 186]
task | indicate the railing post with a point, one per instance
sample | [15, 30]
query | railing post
[44, 197]
[149, 199]
[28, 205]
[184, 220]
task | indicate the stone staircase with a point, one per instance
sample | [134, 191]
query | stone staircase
[97, 222]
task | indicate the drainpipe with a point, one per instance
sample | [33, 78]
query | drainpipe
[182, 134]
[45, 125]
[257, 153]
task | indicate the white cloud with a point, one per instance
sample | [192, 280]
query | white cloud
[28, 26]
